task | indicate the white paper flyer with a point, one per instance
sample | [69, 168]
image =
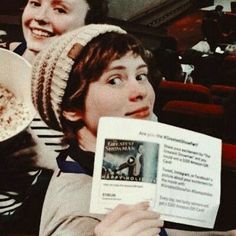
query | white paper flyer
[176, 170]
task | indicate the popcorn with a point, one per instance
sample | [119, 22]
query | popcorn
[14, 115]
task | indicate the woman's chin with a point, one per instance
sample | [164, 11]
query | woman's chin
[36, 47]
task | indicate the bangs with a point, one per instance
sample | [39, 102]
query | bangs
[106, 48]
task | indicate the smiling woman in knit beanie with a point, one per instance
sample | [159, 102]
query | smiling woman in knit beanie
[97, 70]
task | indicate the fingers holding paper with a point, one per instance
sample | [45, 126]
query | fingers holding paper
[129, 220]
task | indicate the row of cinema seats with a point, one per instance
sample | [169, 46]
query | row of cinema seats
[198, 108]
[211, 68]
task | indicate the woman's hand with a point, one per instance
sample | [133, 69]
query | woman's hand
[130, 220]
[18, 152]
[27, 151]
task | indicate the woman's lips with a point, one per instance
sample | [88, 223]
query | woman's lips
[139, 113]
[39, 33]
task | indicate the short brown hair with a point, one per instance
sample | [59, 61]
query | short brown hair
[91, 64]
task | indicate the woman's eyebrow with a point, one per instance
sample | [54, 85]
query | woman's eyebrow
[59, 1]
[116, 68]
[124, 67]
[142, 66]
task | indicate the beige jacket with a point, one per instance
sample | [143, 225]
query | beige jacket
[66, 206]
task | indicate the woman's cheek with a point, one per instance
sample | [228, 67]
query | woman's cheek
[151, 95]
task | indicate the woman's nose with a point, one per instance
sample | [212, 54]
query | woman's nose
[42, 15]
[138, 91]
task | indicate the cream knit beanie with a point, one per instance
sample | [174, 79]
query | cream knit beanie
[52, 67]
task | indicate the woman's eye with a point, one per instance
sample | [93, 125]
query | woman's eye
[142, 77]
[115, 81]
[34, 3]
[60, 10]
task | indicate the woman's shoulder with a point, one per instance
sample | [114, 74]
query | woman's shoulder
[66, 206]
[70, 188]
[70, 181]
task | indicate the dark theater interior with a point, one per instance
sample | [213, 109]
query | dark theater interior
[193, 48]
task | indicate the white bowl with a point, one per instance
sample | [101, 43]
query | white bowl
[15, 75]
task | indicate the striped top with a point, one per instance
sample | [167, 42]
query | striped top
[17, 176]
[51, 138]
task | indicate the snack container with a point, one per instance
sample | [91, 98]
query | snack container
[15, 75]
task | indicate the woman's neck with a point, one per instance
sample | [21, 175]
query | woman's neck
[86, 139]
[29, 55]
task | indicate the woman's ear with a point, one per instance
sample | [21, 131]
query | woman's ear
[72, 115]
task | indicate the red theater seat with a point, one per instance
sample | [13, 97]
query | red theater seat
[229, 155]
[170, 90]
[219, 91]
[228, 71]
[200, 117]
[230, 58]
